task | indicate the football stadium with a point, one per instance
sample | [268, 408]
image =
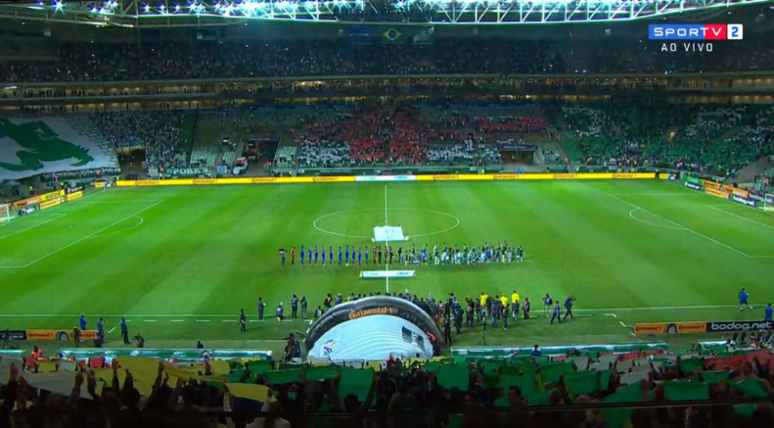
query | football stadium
[384, 213]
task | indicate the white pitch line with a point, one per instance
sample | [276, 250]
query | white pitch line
[90, 235]
[611, 315]
[622, 324]
[32, 227]
[656, 194]
[606, 311]
[768, 226]
[111, 330]
[124, 201]
[684, 227]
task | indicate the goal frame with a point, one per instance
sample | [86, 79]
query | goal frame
[5, 213]
[768, 207]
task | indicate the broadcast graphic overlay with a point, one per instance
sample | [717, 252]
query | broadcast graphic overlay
[699, 38]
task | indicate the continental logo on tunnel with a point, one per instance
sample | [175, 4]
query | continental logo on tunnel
[565, 176]
[147, 183]
[264, 180]
[205, 181]
[368, 312]
[442, 177]
[670, 328]
[325, 179]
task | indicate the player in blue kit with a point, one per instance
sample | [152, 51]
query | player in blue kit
[302, 254]
[339, 256]
[316, 254]
[330, 255]
[310, 256]
[743, 296]
[346, 256]
[366, 254]
[323, 255]
[359, 256]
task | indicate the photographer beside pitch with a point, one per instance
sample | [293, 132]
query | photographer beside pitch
[568, 307]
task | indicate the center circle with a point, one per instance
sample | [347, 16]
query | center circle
[354, 223]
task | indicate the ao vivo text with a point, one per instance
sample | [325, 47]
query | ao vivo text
[695, 32]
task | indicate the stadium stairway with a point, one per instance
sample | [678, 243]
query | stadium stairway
[748, 173]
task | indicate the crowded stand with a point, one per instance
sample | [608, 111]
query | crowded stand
[323, 154]
[154, 60]
[510, 125]
[395, 135]
[159, 133]
[492, 388]
[80, 174]
[713, 140]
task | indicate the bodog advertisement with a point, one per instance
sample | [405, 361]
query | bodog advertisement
[360, 310]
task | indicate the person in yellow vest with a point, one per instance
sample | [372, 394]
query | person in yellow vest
[482, 304]
[504, 300]
[515, 299]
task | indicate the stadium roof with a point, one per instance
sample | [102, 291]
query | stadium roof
[198, 14]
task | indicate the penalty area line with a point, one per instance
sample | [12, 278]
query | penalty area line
[91, 234]
[687, 229]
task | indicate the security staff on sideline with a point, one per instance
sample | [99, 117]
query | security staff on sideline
[568, 307]
[242, 321]
[447, 332]
[124, 331]
[557, 315]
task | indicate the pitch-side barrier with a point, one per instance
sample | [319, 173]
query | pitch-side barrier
[390, 178]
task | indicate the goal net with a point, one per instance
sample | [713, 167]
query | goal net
[768, 202]
[5, 213]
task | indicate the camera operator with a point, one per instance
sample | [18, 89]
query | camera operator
[140, 340]
[568, 307]
[447, 331]
[292, 347]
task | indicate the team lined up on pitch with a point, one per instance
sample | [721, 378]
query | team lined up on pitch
[378, 254]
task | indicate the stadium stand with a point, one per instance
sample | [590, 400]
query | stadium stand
[47, 144]
[160, 133]
[323, 154]
[715, 140]
[153, 61]
[493, 388]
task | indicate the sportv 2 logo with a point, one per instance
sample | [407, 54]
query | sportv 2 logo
[695, 32]
[691, 33]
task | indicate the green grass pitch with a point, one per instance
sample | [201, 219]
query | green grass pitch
[179, 262]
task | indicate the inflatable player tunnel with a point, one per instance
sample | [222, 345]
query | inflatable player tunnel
[373, 328]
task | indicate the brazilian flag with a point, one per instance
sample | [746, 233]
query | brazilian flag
[392, 36]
